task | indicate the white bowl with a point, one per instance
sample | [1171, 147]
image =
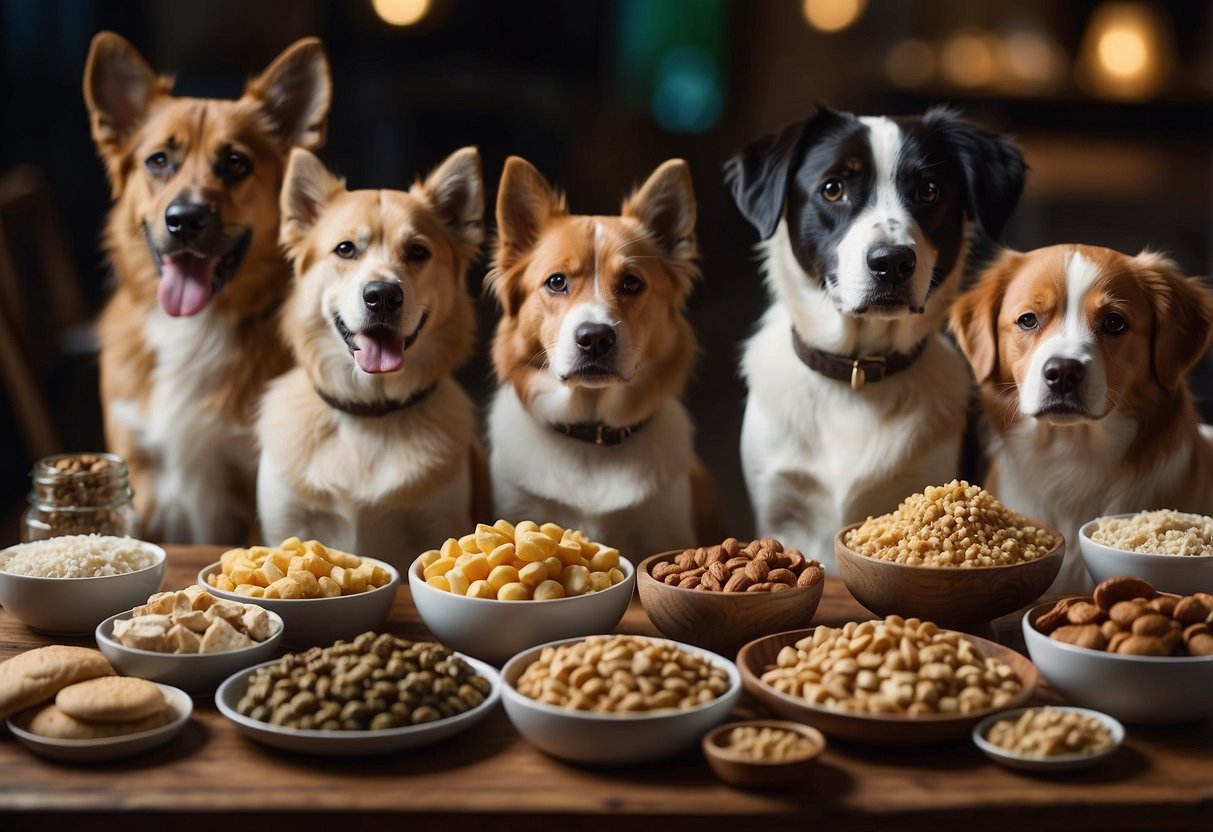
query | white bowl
[1060, 762]
[109, 748]
[609, 738]
[196, 673]
[318, 622]
[495, 630]
[75, 606]
[342, 743]
[1137, 689]
[1181, 574]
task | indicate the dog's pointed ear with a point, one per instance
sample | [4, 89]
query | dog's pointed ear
[665, 205]
[456, 190]
[1183, 317]
[974, 316]
[307, 187]
[119, 85]
[525, 201]
[992, 165]
[295, 92]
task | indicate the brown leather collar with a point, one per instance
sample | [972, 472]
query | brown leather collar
[859, 371]
[597, 432]
[376, 409]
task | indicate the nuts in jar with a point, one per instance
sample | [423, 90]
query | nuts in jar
[79, 493]
[758, 566]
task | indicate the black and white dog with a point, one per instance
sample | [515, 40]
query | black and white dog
[869, 225]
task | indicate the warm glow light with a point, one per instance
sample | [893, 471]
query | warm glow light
[1123, 52]
[401, 12]
[832, 15]
[910, 63]
[1032, 57]
[1127, 51]
[967, 60]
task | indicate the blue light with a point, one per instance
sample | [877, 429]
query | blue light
[686, 94]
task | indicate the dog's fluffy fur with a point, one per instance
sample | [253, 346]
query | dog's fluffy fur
[187, 340]
[387, 485]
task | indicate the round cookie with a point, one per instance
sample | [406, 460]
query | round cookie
[53, 723]
[37, 675]
[111, 699]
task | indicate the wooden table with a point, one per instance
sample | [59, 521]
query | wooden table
[211, 774]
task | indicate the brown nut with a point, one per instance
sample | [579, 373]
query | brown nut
[1110, 628]
[1152, 624]
[1125, 613]
[1115, 641]
[1191, 610]
[757, 570]
[779, 587]
[739, 582]
[672, 580]
[782, 576]
[1142, 646]
[733, 564]
[796, 559]
[731, 546]
[661, 571]
[688, 582]
[1051, 619]
[719, 571]
[1193, 630]
[764, 586]
[1164, 604]
[1084, 613]
[686, 560]
[1081, 635]
[715, 554]
[771, 544]
[701, 557]
[1121, 588]
[1201, 644]
[811, 575]
[709, 581]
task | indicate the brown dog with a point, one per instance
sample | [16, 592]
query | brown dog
[189, 341]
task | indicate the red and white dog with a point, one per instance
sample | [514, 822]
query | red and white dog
[1081, 354]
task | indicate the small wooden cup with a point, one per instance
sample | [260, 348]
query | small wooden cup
[748, 773]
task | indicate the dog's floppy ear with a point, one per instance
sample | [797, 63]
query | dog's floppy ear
[665, 205]
[306, 188]
[295, 92]
[993, 168]
[974, 317]
[1183, 317]
[758, 176]
[118, 87]
[456, 191]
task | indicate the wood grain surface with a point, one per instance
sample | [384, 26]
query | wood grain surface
[1161, 778]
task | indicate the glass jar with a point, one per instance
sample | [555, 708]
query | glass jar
[84, 493]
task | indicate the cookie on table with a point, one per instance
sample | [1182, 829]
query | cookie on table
[53, 723]
[111, 699]
[37, 675]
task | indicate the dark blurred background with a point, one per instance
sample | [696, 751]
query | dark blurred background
[1111, 102]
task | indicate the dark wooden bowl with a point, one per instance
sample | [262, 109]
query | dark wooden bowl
[954, 597]
[761, 774]
[721, 621]
[756, 657]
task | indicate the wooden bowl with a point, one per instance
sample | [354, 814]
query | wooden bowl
[748, 773]
[755, 657]
[955, 597]
[721, 621]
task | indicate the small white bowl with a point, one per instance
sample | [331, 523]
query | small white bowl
[75, 606]
[609, 738]
[1181, 574]
[109, 748]
[495, 630]
[319, 622]
[345, 743]
[196, 673]
[1060, 762]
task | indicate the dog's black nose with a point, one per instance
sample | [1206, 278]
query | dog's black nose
[1063, 375]
[892, 263]
[382, 296]
[187, 221]
[595, 340]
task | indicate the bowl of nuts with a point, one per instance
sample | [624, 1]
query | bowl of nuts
[611, 700]
[763, 754]
[320, 593]
[720, 597]
[1170, 549]
[896, 681]
[373, 694]
[506, 587]
[1052, 738]
[1127, 650]
[952, 554]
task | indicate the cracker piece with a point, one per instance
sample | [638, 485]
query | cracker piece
[111, 699]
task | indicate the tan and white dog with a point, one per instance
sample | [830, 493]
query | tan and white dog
[187, 340]
[369, 443]
[592, 352]
[1081, 354]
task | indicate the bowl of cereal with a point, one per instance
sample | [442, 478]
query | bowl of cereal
[321, 594]
[68, 585]
[720, 597]
[764, 753]
[1050, 738]
[611, 700]
[504, 588]
[896, 681]
[1170, 549]
[189, 639]
[952, 554]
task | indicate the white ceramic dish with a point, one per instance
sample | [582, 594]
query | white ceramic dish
[110, 748]
[349, 743]
[196, 673]
[318, 622]
[612, 739]
[75, 606]
[1134, 689]
[1061, 762]
[496, 630]
[1181, 574]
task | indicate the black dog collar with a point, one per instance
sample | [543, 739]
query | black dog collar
[597, 432]
[376, 409]
[859, 371]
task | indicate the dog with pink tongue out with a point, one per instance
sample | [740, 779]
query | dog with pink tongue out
[369, 444]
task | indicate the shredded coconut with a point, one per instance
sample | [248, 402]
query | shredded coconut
[1163, 532]
[77, 556]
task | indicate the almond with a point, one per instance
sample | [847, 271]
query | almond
[1191, 610]
[1164, 604]
[1122, 588]
[811, 575]
[1141, 646]
[663, 570]
[1081, 635]
[782, 576]
[1125, 613]
[1084, 613]
[738, 582]
[757, 569]
[1152, 624]
[1200, 644]
[731, 547]
[719, 571]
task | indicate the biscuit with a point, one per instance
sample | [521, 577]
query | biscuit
[37, 675]
[111, 699]
[52, 722]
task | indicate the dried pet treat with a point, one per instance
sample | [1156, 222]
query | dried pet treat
[192, 621]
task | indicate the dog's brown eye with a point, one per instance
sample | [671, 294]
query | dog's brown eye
[928, 192]
[232, 166]
[416, 253]
[345, 250]
[1115, 323]
[157, 162]
[832, 190]
[557, 284]
[631, 284]
[1027, 321]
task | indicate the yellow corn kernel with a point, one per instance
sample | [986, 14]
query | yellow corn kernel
[575, 580]
[328, 587]
[548, 590]
[439, 582]
[481, 589]
[524, 527]
[534, 546]
[457, 581]
[489, 538]
[317, 565]
[514, 592]
[554, 565]
[467, 543]
[505, 527]
[287, 588]
[241, 575]
[476, 567]
[553, 531]
[307, 582]
[502, 555]
[438, 567]
[450, 548]
[604, 560]
[533, 574]
[599, 581]
[426, 558]
[500, 576]
[250, 590]
[616, 576]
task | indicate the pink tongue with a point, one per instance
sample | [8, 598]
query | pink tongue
[380, 352]
[185, 283]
